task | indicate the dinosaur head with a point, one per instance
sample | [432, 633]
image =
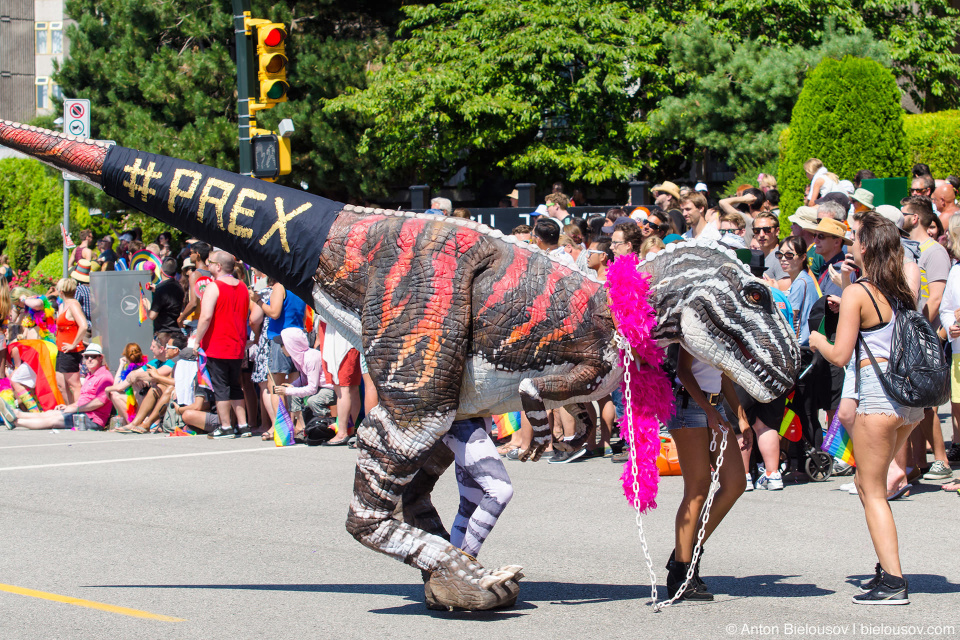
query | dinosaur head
[709, 302]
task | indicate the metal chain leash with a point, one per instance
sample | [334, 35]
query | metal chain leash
[658, 606]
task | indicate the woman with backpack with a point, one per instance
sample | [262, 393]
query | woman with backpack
[867, 321]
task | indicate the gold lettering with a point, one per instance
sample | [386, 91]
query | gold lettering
[147, 174]
[239, 210]
[176, 192]
[281, 223]
[226, 188]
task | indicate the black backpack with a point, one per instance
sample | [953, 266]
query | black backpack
[918, 374]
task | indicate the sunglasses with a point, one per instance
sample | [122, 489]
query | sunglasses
[171, 346]
[91, 357]
[788, 256]
[596, 252]
[724, 232]
[917, 190]
[659, 227]
[759, 230]
[822, 236]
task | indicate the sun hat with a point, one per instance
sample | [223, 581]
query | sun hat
[832, 227]
[515, 195]
[805, 218]
[188, 264]
[667, 187]
[864, 197]
[93, 349]
[81, 272]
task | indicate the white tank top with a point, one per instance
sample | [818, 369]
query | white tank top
[707, 376]
[879, 339]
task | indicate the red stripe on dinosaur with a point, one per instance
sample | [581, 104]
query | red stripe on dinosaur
[438, 306]
[407, 242]
[538, 310]
[510, 280]
[578, 306]
[355, 256]
[466, 238]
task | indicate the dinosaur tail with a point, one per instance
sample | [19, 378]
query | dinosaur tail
[278, 230]
[81, 157]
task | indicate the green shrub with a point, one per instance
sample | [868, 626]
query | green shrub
[934, 139]
[51, 266]
[849, 116]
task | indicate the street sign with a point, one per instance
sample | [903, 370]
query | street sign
[76, 117]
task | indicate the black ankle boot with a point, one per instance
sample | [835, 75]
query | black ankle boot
[889, 590]
[676, 575]
[698, 583]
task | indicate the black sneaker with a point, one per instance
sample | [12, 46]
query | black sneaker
[220, 432]
[244, 432]
[889, 590]
[953, 453]
[874, 581]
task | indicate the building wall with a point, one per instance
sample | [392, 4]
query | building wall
[49, 28]
[17, 60]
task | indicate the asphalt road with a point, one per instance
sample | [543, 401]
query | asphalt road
[239, 539]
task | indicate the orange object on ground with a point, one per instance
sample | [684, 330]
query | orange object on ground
[667, 462]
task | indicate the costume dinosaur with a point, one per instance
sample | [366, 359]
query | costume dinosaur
[455, 319]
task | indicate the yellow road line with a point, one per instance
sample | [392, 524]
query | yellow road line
[9, 588]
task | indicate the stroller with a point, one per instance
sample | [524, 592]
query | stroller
[801, 433]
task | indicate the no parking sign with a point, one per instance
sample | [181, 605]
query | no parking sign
[76, 117]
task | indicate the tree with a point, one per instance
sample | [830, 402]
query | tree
[161, 77]
[738, 96]
[849, 116]
[536, 89]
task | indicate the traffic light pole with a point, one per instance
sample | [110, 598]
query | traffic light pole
[244, 67]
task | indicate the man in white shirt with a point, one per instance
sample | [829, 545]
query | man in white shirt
[546, 235]
[693, 206]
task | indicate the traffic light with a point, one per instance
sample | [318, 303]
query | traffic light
[272, 62]
[271, 154]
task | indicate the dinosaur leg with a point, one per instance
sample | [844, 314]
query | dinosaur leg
[389, 459]
[417, 506]
[580, 381]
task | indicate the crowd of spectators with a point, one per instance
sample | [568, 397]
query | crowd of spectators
[230, 344]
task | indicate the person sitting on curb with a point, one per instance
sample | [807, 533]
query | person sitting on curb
[91, 410]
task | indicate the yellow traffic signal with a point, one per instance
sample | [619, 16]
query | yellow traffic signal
[272, 62]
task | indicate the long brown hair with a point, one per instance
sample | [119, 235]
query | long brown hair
[5, 301]
[883, 258]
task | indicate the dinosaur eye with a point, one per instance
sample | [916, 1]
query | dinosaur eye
[755, 296]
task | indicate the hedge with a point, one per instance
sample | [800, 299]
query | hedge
[849, 116]
[934, 139]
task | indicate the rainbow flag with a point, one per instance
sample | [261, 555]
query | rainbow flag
[131, 406]
[203, 376]
[790, 427]
[505, 424]
[283, 426]
[142, 307]
[837, 443]
[40, 356]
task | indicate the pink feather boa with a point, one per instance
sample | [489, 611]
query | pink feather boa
[650, 390]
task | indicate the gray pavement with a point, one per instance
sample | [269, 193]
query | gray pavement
[239, 539]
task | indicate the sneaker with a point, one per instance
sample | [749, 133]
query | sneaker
[244, 432]
[841, 468]
[513, 454]
[867, 587]
[620, 458]
[9, 417]
[848, 487]
[953, 453]
[563, 457]
[220, 432]
[938, 471]
[770, 483]
[749, 483]
[889, 590]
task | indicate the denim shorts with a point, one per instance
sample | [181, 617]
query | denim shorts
[691, 416]
[872, 398]
[277, 362]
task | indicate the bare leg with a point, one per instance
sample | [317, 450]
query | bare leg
[73, 385]
[119, 401]
[768, 441]
[875, 439]
[44, 420]
[348, 410]
[370, 399]
[933, 432]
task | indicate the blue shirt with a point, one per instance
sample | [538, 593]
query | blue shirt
[291, 315]
[782, 304]
[802, 294]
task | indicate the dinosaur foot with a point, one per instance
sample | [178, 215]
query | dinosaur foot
[472, 588]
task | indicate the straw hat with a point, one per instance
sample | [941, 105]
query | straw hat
[805, 218]
[831, 227]
[667, 187]
[81, 272]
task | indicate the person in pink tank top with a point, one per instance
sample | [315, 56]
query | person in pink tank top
[222, 336]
